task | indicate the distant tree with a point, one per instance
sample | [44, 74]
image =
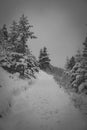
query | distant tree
[84, 55]
[70, 63]
[85, 48]
[44, 59]
[40, 56]
[67, 63]
[78, 56]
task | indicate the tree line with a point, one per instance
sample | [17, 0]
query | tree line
[15, 54]
[76, 70]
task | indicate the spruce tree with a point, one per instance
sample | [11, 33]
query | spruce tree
[40, 56]
[14, 36]
[24, 33]
[84, 58]
[18, 57]
[79, 70]
[44, 59]
[67, 63]
[4, 36]
[70, 63]
[78, 56]
[5, 32]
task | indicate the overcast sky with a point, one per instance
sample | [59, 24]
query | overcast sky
[60, 25]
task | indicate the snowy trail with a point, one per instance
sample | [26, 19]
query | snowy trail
[44, 106]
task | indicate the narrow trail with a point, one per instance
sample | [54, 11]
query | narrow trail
[44, 106]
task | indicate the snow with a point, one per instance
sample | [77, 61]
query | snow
[37, 105]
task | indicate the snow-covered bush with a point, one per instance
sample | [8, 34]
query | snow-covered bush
[23, 64]
[83, 87]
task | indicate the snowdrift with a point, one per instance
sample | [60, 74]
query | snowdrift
[10, 86]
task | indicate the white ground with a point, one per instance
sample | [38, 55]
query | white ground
[40, 105]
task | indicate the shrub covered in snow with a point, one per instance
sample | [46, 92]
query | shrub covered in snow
[83, 87]
[26, 65]
[11, 86]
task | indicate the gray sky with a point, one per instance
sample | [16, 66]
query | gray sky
[60, 25]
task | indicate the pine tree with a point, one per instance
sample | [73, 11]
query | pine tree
[5, 32]
[24, 33]
[44, 59]
[70, 63]
[78, 56]
[85, 48]
[67, 63]
[40, 56]
[79, 71]
[4, 36]
[18, 57]
[1, 43]
[14, 36]
[84, 57]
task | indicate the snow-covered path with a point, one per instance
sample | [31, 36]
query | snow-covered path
[44, 106]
